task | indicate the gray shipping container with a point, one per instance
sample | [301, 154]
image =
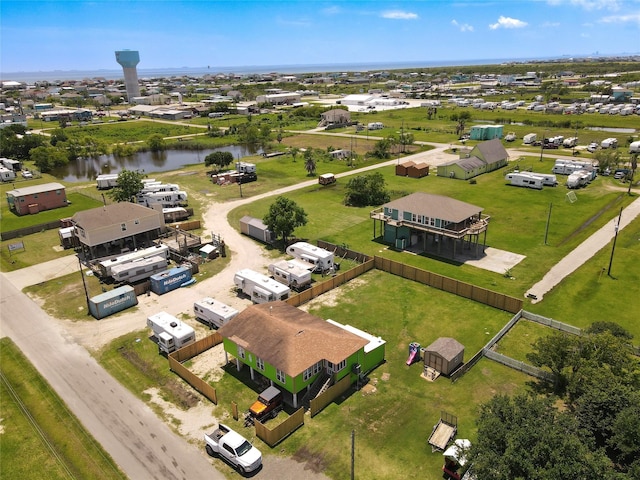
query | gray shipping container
[168, 280]
[113, 301]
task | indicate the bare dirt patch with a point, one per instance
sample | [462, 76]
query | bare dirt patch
[314, 462]
[335, 296]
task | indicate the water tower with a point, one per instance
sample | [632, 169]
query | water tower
[129, 59]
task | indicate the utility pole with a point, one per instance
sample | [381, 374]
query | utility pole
[546, 231]
[353, 454]
[615, 237]
[84, 284]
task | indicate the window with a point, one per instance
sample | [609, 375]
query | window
[241, 353]
[311, 371]
[280, 376]
[136, 221]
[336, 367]
[259, 364]
[35, 195]
[123, 226]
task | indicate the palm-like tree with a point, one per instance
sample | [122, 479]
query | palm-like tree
[309, 163]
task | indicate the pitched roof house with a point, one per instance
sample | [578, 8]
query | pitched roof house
[292, 348]
[484, 157]
[420, 219]
[108, 230]
[37, 198]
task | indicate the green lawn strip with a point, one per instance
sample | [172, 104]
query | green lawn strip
[589, 294]
[519, 340]
[38, 248]
[24, 455]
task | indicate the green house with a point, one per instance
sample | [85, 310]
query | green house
[484, 157]
[486, 132]
[296, 351]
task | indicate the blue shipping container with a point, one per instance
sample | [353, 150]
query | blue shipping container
[168, 280]
[112, 301]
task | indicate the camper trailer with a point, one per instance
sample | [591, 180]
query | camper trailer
[105, 266]
[524, 179]
[570, 142]
[259, 287]
[139, 269]
[171, 333]
[291, 274]
[213, 313]
[548, 179]
[108, 180]
[245, 167]
[634, 147]
[567, 167]
[609, 143]
[6, 174]
[321, 258]
[165, 199]
[578, 179]
[375, 126]
[159, 187]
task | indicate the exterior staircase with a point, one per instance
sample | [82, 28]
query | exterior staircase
[321, 384]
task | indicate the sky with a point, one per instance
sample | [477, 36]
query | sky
[38, 35]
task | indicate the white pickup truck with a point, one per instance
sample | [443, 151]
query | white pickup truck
[233, 448]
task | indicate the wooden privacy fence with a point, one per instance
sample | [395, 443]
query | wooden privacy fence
[333, 392]
[318, 289]
[463, 289]
[190, 351]
[29, 230]
[281, 431]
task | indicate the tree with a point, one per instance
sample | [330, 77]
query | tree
[156, 143]
[381, 148]
[284, 217]
[219, 159]
[526, 437]
[48, 158]
[309, 162]
[364, 190]
[129, 184]
[294, 152]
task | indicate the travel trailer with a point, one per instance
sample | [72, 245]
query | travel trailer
[165, 199]
[578, 179]
[321, 258]
[634, 147]
[108, 180]
[139, 269]
[609, 143]
[291, 274]
[524, 179]
[105, 266]
[259, 287]
[171, 333]
[212, 312]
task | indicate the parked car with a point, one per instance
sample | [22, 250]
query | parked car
[27, 174]
[592, 147]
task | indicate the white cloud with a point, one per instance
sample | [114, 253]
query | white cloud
[628, 18]
[333, 10]
[589, 4]
[463, 27]
[293, 22]
[550, 25]
[507, 22]
[399, 15]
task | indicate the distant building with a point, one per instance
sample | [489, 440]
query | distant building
[37, 198]
[286, 98]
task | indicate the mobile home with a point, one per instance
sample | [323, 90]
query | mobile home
[107, 180]
[169, 199]
[321, 258]
[529, 138]
[212, 312]
[634, 147]
[609, 143]
[171, 333]
[291, 274]
[259, 287]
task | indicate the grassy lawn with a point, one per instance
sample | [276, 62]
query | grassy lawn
[23, 451]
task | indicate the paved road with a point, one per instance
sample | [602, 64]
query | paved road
[139, 442]
[583, 252]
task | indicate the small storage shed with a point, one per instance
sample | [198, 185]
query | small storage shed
[254, 227]
[444, 355]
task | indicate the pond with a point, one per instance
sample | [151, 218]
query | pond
[613, 129]
[85, 169]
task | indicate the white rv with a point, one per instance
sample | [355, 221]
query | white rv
[578, 179]
[634, 147]
[259, 287]
[6, 174]
[165, 199]
[609, 143]
[291, 274]
[159, 187]
[524, 179]
[570, 142]
[321, 258]
[171, 333]
[375, 126]
[567, 167]
[548, 179]
[107, 180]
[529, 138]
[139, 269]
[245, 167]
[213, 313]
[106, 266]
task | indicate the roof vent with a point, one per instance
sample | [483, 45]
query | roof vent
[173, 324]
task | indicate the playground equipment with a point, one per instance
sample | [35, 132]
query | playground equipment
[414, 353]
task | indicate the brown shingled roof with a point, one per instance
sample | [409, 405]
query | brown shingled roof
[289, 338]
[111, 214]
[435, 206]
[446, 347]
